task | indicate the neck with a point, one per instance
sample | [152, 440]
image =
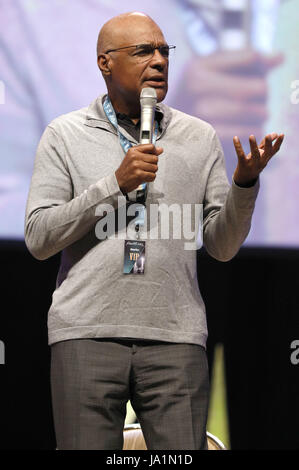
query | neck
[131, 110]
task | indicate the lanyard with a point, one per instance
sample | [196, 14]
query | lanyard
[126, 144]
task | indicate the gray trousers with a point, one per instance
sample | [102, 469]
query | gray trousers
[93, 379]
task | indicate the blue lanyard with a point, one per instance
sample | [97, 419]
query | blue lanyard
[126, 144]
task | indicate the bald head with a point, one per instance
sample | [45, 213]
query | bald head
[127, 70]
[117, 30]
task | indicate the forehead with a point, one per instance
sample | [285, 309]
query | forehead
[139, 31]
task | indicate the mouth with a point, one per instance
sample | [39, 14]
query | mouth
[156, 81]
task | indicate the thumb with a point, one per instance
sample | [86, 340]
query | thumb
[159, 150]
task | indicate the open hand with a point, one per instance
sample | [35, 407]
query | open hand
[249, 167]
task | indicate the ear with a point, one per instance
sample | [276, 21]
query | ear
[104, 64]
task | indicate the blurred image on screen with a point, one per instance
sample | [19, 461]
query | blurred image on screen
[235, 66]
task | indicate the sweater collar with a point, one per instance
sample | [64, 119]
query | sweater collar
[96, 117]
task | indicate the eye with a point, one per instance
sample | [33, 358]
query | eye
[143, 50]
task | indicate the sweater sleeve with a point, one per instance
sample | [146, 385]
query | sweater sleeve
[54, 218]
[227, 210]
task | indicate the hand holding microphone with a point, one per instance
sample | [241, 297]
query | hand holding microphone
[140, 162]
[138, 166]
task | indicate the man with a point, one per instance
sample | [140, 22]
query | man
[117, 337]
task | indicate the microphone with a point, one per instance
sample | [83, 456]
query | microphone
[148, 101]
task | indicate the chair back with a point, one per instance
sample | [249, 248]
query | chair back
[134, 440]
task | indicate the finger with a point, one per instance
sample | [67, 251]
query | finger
[239, 149]
[147, 176]
[145, 166]
[277, 144]
[253, 147]
[262, 144]
[153, 153]
[147, 158]
[159, 150]
[145, 148]
[144, 151]
[268, 146]
[273, 135]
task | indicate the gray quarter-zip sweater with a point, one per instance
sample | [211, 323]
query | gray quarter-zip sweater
[74, 173]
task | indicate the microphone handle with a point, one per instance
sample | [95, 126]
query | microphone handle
[147, 124]
[146, 137]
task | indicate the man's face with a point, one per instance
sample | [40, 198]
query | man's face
[130, 73]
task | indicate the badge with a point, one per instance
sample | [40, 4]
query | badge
[134, 257]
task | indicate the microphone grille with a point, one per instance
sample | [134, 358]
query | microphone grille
[148, 96]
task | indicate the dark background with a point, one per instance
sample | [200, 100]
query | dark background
[252, 307]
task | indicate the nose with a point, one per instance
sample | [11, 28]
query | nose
[158, 60]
